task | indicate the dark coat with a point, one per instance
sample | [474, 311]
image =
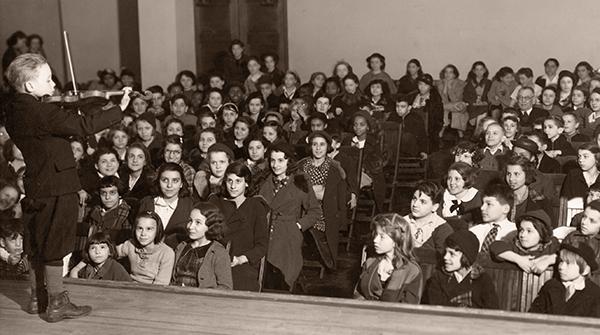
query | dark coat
[111, 270]
[551, 300]
[247, 231]
[407, 85]
[404, 285]
[536, 113]
[433, 114]
[414, 136]
[215, 271]
[563, 145]
[294, 203]
[41, 132]
[142, 187]
[235, 69]
[574, 185]
[474, 291]
[549, 165]
[334, 205]
[175, 229]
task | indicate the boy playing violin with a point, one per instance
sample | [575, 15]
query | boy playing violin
[41, 130]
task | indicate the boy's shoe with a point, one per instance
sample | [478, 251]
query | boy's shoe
[38, 302]
[60, 307]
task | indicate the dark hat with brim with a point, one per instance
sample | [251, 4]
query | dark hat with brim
[526, 144]
[585, 251]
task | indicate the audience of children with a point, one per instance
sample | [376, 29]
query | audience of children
[228, 148]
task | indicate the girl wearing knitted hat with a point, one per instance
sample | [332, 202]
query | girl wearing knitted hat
[457, 284]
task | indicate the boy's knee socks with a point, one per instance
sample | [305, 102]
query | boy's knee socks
[54, 279]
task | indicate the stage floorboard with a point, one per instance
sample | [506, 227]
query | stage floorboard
[134, 309]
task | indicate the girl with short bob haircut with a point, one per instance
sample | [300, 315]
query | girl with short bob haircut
[461, 201]
[201, 260]
[150, 258]
[99, 257]
[578, 181]
[393, 274]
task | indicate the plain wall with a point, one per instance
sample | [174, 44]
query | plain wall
[166, 40]
[92, 26]
[34, 16]
[507, 32]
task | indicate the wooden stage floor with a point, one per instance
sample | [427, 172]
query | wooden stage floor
[135, 309]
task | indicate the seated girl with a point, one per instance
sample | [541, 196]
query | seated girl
[378, 100]
[173, 152]
[566, 82]
[228, 114]
[242, 128]
[203, 140]
[201, 260]
[459, 283]
[171, 202]
[365, 138]
[247, 231]
[534, 239]
[137, 173]
[393, 274]
[502, 87]
[549, 101]
[428, 229]
[99, 261]
[519, 174]
[257, 148]
[151, 260]
[461, 202]
[273, 132]
[578, 181]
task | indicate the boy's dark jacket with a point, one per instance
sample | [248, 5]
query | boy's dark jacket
[41, 132]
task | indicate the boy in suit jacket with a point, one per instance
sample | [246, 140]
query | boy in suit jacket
[41, 130]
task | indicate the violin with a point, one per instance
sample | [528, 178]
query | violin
[73, 96]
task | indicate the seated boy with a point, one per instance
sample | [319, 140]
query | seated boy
[593, 194]
[158, 98]
[459, 283]
[16, 266]
[571, 126]
[494, 151]
[497, 202]
[414, 136]
[588, 232]
[559, 146]
[113, 214]
[572, 293]
[179, 105]
[106, 163]
[265, 86]
[545, 164]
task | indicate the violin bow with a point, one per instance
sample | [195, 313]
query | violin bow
[70, 61]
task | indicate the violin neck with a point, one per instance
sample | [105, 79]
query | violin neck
[113, 93]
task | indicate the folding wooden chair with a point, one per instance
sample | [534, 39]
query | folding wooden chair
[261, 273]
[530, 287]
[568, 209]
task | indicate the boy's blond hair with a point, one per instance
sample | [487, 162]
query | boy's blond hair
[23, 69]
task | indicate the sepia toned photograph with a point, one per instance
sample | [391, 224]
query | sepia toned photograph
[299, 167]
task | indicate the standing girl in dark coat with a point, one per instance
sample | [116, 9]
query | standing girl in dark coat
[408, 83]
[346, 104]
[294, 209]
[328, 182]
[246, 226]
[428, 103]
[476, 91]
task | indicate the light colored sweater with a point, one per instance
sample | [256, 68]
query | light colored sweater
[151, 265]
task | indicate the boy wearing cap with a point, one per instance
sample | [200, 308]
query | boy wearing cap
[572, 293]
[497, 202]
[457, 283]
